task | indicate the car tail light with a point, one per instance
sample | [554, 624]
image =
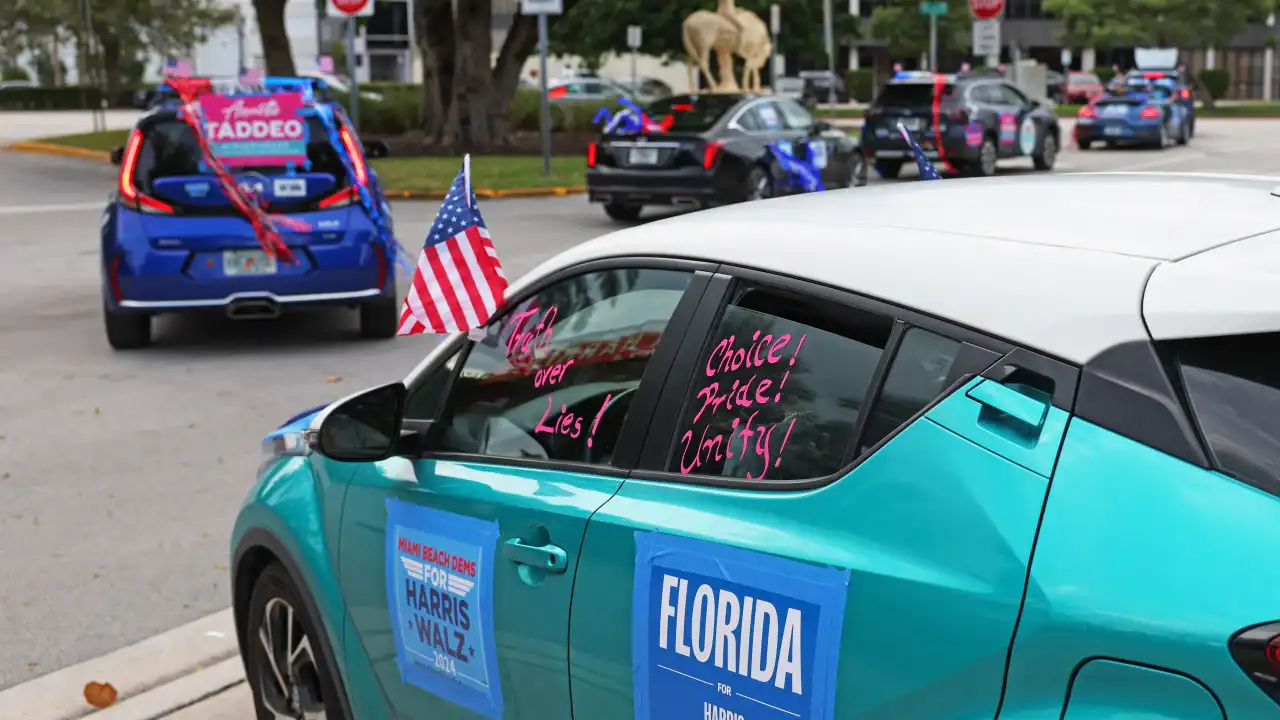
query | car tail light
[113, 279]
[558, 92]
[1185, 93]
[342, 198]
[1257, 651]
[1150, 113]
[129, 195]
[710, 154]
[1153, 75]
[682, 107]
[1087, 112]
[382, 265]
[591, 155]
[357, 156]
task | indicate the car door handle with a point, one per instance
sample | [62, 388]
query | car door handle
[548, 558]
[1025, 409]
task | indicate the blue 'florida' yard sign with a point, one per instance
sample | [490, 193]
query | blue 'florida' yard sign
[724, 633]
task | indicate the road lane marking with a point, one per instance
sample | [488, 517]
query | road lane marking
[34, 209]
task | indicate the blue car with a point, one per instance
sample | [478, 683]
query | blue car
[172, 242]
[1176, 80]
[765, 463]
[1146, 114]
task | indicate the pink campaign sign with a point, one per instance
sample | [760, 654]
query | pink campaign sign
[258, 130]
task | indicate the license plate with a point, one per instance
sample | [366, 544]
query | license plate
[1115, 111]
[1114, 130]
[644, 156]
[890, 153]
[247, 262]
[911, 123]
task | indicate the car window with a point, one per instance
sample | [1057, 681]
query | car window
[917, 374]
[425, 400]
[1009, 95]
[794, 116]
[911, 95]
[769, 115]
[575, 88]
[750, 121]
[693, 113]
[555, 377]
[778, 390]
[986, 93]
[1234, 387]
[170, 149]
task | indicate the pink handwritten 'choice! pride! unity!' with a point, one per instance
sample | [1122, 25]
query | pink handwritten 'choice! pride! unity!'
[762, 352]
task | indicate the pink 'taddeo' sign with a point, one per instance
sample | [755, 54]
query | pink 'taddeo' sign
[255, 129]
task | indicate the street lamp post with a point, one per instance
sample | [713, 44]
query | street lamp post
[829, 39]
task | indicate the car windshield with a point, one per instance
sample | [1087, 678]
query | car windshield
[911, 95]
[693, 113]
[169, 149]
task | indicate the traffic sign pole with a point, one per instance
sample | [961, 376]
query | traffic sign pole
[352, 9]
[543, 8]
[933, 9]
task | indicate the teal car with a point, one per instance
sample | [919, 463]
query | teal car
[825, 456]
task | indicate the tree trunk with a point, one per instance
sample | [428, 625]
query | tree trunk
[435, 35]
[275, 40]
[109, 52]
[521, 41]
[473, 81]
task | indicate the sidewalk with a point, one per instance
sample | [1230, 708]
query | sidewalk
[26, 125]
[232, 704]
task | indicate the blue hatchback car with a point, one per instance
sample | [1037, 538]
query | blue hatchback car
[769, 462]
[172, 242]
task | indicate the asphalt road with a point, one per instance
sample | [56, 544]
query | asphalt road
[120, 473]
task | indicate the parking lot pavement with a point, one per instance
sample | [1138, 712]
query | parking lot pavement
[120, 473]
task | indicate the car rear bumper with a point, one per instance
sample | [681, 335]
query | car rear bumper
[695, 187]
[352, 297]
[1117, 132]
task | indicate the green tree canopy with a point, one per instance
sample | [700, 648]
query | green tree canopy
[906, 30]
[1159, 23]
[598, 27]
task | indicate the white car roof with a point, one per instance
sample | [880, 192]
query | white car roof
[1059, 263]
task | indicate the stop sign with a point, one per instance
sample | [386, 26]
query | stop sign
[354, 7]
[986, 9]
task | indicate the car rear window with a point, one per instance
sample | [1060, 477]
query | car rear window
[169, 149]
[693, 113]
[911, 95]
[1233, 383]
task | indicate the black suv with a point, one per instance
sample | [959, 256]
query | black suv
[970, 120]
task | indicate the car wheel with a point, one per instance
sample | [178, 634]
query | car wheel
[380, 318]
[286, 661]
[1084, 144]
[622, 213]
[888, 169]
[1163, 140]
[985, 166]
[126, 330]
[759, 186]
[1048, 154]
[1184, 134]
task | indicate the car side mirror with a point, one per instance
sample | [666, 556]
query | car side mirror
[820, 126]
[364, 427]
[374, 149]
[117, 155]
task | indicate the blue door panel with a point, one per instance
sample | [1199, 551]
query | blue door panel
[1107, 690]
[1144, 558]
[936, 530]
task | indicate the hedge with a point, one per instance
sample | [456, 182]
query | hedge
[400, 109]
[861, 84]
[69, 97]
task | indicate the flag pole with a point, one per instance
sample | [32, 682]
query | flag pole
[466, 175]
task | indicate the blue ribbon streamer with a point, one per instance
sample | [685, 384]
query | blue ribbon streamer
[800, 172]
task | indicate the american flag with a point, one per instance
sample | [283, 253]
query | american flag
[250, 76]
[326, 63]
[459, 281]
[177, 67]
[927, 170]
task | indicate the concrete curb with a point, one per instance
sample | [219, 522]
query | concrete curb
[100, 156]
[184, 692]
[133, 671]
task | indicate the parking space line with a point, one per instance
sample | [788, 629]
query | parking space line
[34, 209]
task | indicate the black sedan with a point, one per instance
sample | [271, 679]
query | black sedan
[714, 151]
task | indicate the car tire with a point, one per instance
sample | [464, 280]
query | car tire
[276, 617]
[622, 213]
[126, 330]
[988, 156]
[758, 185]
[1161, 142]
[1048, 153]
[1184, 134]
[1084, 144]
[888, 169]
[380, 318]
